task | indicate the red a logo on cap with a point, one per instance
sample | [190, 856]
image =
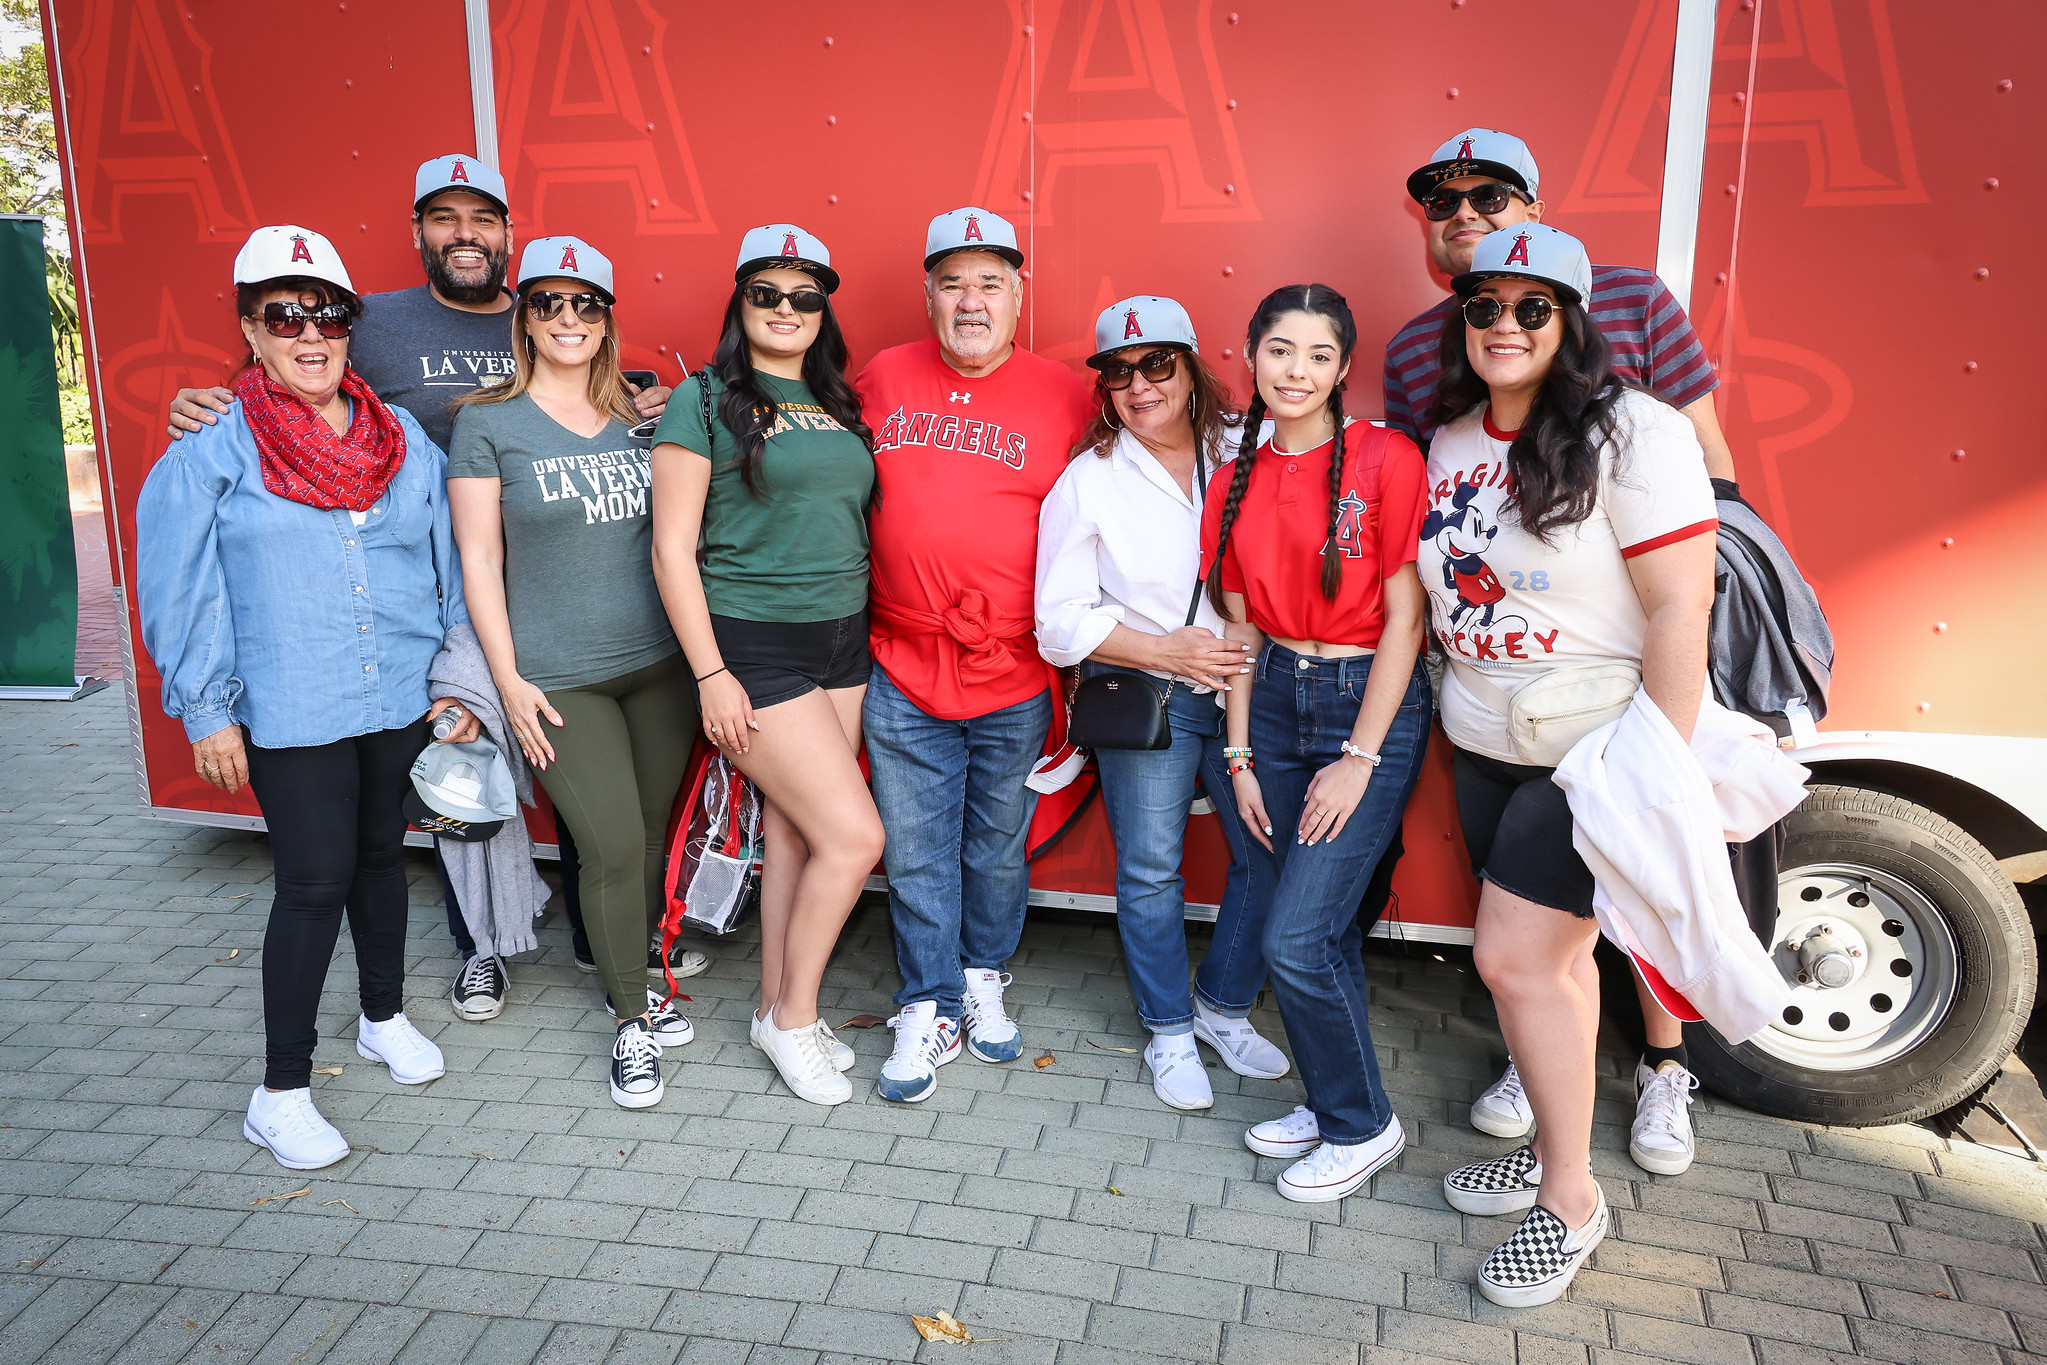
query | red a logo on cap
[1464, 150]
[568, 260]
[973, 233]
[458, 173]
[299, 251]
[1130, 327]
[789, 244]
[1517, 254]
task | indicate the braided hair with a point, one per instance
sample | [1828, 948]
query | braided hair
[1323, 302]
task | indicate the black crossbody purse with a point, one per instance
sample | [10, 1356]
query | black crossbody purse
[1126, 709]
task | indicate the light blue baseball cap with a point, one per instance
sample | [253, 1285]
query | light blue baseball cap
[1530, 251]
[1477, 151]
[458, 172]
[970, 229]
[1142, 320]
[571, 258]
[789, 247]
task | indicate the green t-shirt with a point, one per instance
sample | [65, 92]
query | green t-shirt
[579, 546]
[798, 552]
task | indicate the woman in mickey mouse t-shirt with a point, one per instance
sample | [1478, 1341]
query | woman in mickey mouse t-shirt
[1310, 559]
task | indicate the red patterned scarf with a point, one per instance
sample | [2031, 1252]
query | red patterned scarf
[305, 461]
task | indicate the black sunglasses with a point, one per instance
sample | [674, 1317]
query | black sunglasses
[1490, 197]
[1532, 311]
[1157, 367]
[802, 300]
[546, 305]
[290, 319]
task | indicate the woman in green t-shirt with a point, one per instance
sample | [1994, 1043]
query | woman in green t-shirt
[765, 456]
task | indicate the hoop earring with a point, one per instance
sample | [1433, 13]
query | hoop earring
[1107, 420]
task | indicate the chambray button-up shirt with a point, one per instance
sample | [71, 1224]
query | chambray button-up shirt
[306, 625]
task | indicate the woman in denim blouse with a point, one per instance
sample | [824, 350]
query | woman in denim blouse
[296, 574]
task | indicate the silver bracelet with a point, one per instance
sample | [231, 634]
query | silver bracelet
[1351, 750]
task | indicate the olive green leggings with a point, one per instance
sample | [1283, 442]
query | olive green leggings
[618, 760]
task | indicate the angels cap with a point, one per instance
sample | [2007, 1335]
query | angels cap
[458, 172]
[1530, 251]
[1477, 151]
[465, 781]
[571, 258]
[789, 247]
[275, 253]
[1142, 320]
[970, 229]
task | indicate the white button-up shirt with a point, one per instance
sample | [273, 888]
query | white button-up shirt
[1119, 540]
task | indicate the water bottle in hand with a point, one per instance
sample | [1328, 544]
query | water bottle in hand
[448, 722]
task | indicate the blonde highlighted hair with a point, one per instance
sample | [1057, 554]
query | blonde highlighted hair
[607, 386]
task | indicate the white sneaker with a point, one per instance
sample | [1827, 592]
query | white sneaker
[479, 990]
[670, 1029]
[1330, 1172]
[1177, 1076]
[804, 1058]
[1503, 1110]
[1295, 1134]
[1242, 1047]
[411, 1055]
[924, 1043]
[291, 1127]
[636, 1067]
[1537, 1264]
[991, 1034]
[1661, 1139]
[842, 1056]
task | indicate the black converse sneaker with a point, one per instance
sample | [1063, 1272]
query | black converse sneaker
[1536, 1264]
[636, 1067]
[1506, 1184]
[479, 990]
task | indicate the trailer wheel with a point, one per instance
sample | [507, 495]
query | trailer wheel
[1912, 964]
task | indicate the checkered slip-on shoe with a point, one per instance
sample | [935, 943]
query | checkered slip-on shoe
[1537, 1264]
[1506, 1184]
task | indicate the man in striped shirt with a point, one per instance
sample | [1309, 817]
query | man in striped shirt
[1482, 180]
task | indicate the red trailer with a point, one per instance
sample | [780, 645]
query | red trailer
[1837, 188]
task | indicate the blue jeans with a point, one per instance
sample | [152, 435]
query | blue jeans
[1302, 709]
[1146, 794]
[957, 815]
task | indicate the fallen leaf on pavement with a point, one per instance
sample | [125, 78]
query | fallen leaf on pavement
[232, 953]
[1044, 1061]
[946, 1327]
[1098, 1047]
[326, 1071]
[862, 1021]
[1113, 1190]
[328, 1203]
[273, 1198]
[485, 1156]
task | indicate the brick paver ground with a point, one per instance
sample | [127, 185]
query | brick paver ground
[510, 1213]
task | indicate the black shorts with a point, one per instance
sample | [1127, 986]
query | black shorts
[1517, 827]
[778, 661]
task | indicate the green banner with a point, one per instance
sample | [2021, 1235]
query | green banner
[38, 568]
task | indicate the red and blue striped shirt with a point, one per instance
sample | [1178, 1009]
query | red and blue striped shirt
[1652, 340]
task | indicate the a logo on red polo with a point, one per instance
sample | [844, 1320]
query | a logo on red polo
[950, 431]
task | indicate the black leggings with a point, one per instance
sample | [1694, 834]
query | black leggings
[337, 837]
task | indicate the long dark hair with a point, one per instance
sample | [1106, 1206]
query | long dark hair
[1554, 461]
[1213, 410]
[749, 411]
[1326, 303]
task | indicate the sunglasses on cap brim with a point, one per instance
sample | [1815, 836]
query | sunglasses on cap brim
[1156, 366]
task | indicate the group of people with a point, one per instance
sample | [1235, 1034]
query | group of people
[802, 564]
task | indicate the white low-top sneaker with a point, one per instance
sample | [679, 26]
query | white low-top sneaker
[291, 1127]
[842, 1055]
[479, 990]
[1506, 1184]
[411, 1055]
[1537, 1264]
[670, 1029]
[1503, 1110]
[1330, 1172]
[803, 1056]
[1661, 1139]
[636, 1067]
[991, 1034]
[925, 1041]
[1177, 1076]
[1242, 1047]
[1295, 1134]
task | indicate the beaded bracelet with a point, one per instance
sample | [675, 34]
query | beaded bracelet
[1242, 766]
[1229, 753]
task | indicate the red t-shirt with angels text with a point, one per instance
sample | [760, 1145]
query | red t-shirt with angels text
[1274, 557]
[962, 466]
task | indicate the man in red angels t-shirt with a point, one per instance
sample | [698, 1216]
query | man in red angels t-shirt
[970, 433]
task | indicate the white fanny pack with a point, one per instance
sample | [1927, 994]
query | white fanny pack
[1552, 713]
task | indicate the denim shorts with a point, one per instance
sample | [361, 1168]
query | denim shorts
[1517, 827]
[778, 661]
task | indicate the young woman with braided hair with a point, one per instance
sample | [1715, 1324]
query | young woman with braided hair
[1309, 551]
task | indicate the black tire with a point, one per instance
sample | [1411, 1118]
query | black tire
[1995, 970]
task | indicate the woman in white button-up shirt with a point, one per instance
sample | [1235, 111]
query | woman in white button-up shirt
[1119, 548]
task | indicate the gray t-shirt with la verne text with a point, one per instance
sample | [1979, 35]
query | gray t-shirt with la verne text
[419, 354]
[579, 567]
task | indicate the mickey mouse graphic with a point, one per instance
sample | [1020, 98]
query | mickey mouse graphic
[1462, 536]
